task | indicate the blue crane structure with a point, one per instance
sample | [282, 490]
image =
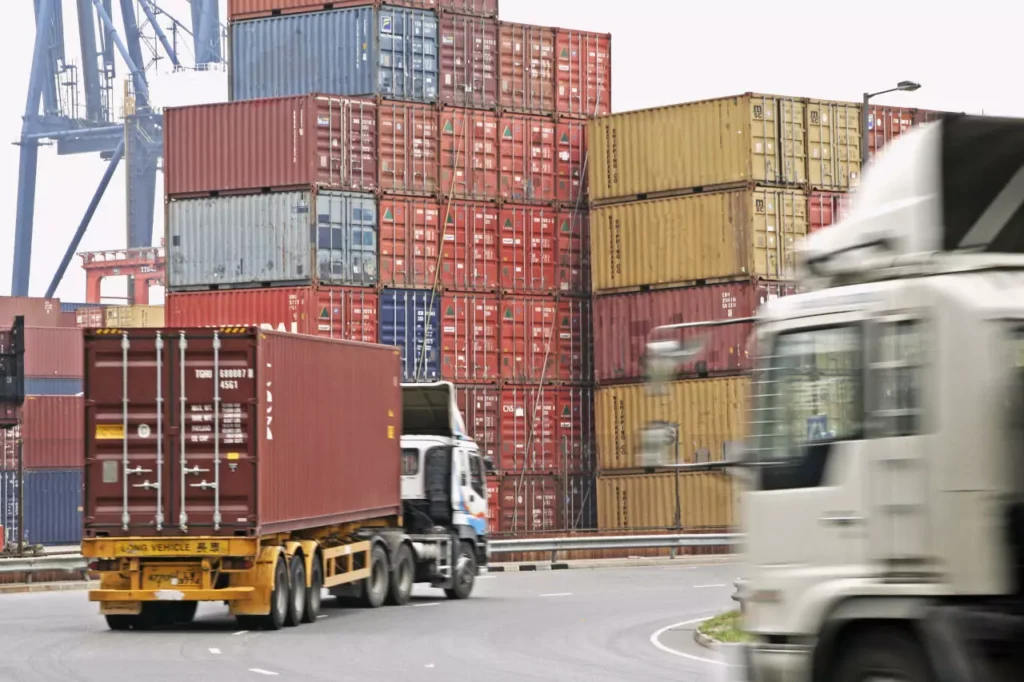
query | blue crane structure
[55, 115]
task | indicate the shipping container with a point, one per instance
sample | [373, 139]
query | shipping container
[527, 158]
[92, 317]
[583, 72]
[470, 338]
[71, 307]
[308, 432]
[469, 154]
[546, 428]
[348, 313]
[52, 501]
[52, 352]
[694, 500]
[709, 413]
[544, 502]
[748, 138]
[571, 164]
[53, 385]
[268, 239]
[411, 320]
[543, 250]
[623, 324]
[833, 145]
[526, 59]
[410, 240]
[742, 233]
[483, 8]
[493, 511]
[574, 252]
[545, 340]
[134, 316]
[409, 153]
[468, 61]
[38, 312]
[285, 142]
[389, 52]
[481, 410]
[470, 246]
[885, 124]
[253, 9]
[52, 433]
[826, 208]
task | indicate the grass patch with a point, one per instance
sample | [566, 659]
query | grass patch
[726, 627]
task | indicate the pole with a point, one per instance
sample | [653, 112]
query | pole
[864, 138]
[21, 498]
[679, 519]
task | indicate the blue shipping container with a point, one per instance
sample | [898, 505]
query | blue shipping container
[52, 386]
[53, 506]
[391, 52]
[411, 320]
[69, 307]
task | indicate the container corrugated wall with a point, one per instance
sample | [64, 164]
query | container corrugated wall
[53, 352]
[468, 61]
[53, 507]
[411, 320]
[731, 234]
[52, 432]
[833, 145]
[710, 414]
[38, 312]
[265, 239]
[251, 9]
[132, 316]
[750, 138]
[337, 52]
[706, 500]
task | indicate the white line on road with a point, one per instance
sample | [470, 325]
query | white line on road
[261, 671]
[214, 651]
[322, 616]
[486, 577]
[240, 632]
[558, 594]
[700, 587]
[429, 603]
[656, 641]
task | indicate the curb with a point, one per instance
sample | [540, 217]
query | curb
[604, 563]
[704, 640]
[69, 586]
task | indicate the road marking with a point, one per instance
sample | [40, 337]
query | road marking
[656, 641]
[214, 651]
[486, 577]
[261, 671]
[322, 616]
[429, 603]
[240, 632]
[429, 665]
[700, 587]
[558, 594]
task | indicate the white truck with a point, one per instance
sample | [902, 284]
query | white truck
[884, 506]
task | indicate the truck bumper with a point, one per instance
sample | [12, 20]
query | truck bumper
[226, 594]
[768, 663]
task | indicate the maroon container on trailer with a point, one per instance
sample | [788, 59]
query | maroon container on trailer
[52, 432]
[583, 72]
[307, 432]
[254, 9]
[322, 140]
[468, 61]
[623, 323]
[53, 352]
[38, 312]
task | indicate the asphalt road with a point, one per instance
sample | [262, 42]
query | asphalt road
[587, 624]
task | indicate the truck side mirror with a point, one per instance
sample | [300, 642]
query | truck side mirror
[663, 358]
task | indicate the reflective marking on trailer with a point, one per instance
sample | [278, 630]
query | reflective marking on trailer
[700, 587]
[322, 616]
[261, 671]
[169, 595]
[429, 603]
[557, 594]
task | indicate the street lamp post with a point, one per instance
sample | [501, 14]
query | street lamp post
[905, 86]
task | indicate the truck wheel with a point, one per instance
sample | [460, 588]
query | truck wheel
[314, 594]
[185, 612]
[403, 571]
[297, 585]
[886, 653]
[119, 622]
[375, 588]
[464, 576]
[278, 603]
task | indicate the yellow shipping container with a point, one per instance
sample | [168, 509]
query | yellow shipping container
[833, 145]
[711, 413]
[707, 500]
[748, 138]
[749, 232]
[135, 316]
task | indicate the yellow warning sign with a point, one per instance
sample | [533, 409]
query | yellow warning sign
[109, 432]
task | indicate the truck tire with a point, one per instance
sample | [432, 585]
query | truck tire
[297, 588]
[185, 612]
[403, 572]
[278, 603]
[885, 653]
[375, 588]
[314, 595]
[121, 622]
[464, 576]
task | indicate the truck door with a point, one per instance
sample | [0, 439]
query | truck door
[470, 498]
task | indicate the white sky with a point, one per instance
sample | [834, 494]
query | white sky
[664, 51]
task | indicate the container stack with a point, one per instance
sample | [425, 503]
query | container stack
[411, 174]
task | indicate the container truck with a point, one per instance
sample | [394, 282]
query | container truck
[884, 514]
[259, 468]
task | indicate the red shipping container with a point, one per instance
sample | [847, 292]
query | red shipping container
[91, 317]
[469, 154]
[825, 208]
[311, 425]
[545, 340]
[482, 8]
[526, 57]
[574, 251]
[544, 250]
[545, 502]
[546, 428]
[409, 240]
[38, 312]
[885, 124]
[53, 352]
[470, 338]
[583, 72]
[322, 140]
[252, 9]
[468, 61]
[528, 154]
[408, 153]
[571, 166]
[52, 432]
[471, 246]
[493, 501]
[332, 312]
[481, 411]
[623, 323]
[68, 319]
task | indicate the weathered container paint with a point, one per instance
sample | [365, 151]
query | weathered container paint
[706, 501]
[348, 313]
[470, 338]
[134, 316]
[321, 237]
[833, 145]
[253, 9]
[53, 386]
[468, 61]
[825, 208]
[748, 138]
[710, 414]
[743, 233]
[283, 142]
[470, 246]
[545, 340]
[409, 148]
[481, 410]
[543, 250]
[469, 154]
[389, 52]
[623, 324]
[409, 230]
[583, 72]
[546, 429]
[411, 320]
[544, 502]
[526, 56]
[298, 416]
[51, 431]
[528, 156]
[572, 161]
[483, 8]
[38, 312]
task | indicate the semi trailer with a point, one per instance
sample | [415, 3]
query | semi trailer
[260, 468]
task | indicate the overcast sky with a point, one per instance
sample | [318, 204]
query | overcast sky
[966, 55]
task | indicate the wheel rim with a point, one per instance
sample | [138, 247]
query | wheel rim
[465, 575]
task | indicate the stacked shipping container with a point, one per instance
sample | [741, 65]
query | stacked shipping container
[435, 201]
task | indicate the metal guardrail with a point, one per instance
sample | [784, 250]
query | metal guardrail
[33, 564]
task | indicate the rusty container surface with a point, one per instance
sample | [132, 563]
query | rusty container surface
[470, 337]
[526, 55]
[38, 312]
[408, 148]
[469, 153]
[695, 500]
[546, 429]
[52, 352]
[468, 61]
[483, 8]
[826, 208]
[254, 9]
[528, 158]
[544, 250]
[534, 503]
[833, 145]
[623, 324]
[735, 234]
[298, 432]
[348, 313]
[284, 142]
[545, 340]
[52, 433]
[583, 72]
[710, 414]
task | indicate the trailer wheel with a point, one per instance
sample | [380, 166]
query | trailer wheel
[278, 603]
[297, 586]
[883, 654]
[120, 622]
[375, 588]
[403, 571]
[464, 576]
[185, 612]
[314, 595]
